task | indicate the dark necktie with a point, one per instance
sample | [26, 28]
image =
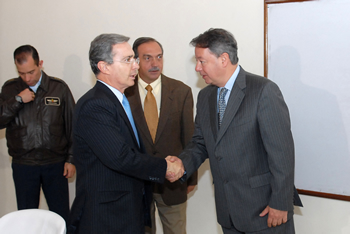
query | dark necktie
[131, 119]
[151, 112]
[222, 104]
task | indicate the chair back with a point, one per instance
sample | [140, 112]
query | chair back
[32, 221]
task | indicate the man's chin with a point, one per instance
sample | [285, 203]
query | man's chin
[208, 81]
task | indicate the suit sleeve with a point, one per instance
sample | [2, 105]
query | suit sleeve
[106, 134]
[68, 120]
[275, 130]
[188, 128]
[195, 153]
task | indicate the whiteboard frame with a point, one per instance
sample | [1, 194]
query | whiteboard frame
[266, 3]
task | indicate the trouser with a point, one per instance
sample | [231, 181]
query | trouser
[173, 218]
[286, 228]
[29, 179]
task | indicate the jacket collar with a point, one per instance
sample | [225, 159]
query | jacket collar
[167, 97]
[45, 80]
[110, 95]
[235, 100]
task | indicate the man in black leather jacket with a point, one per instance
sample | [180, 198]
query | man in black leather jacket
[36, 111]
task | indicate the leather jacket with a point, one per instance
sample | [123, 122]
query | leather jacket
[38, 132]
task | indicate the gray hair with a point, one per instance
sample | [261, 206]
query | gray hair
[218, 41]
[101, 49]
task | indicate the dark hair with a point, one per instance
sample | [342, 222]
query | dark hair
[21, 53]
[218, 41]
[101, 49]
[141, 40]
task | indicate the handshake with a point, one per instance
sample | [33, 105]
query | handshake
[175, 168]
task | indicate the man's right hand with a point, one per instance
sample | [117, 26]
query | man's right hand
[27, 95]
[175, 169]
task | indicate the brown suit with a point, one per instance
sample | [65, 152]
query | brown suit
[175, 129]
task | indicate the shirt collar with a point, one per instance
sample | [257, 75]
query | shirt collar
[35, 87]
[229, 84]
[116, 92]
[154, 84]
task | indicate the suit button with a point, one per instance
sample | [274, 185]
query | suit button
[218, 158]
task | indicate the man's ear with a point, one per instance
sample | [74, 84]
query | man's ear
[41, 62]
[225, 59]
[103, 67]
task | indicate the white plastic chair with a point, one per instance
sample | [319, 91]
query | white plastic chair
[32, 221]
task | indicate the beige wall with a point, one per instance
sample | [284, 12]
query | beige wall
[62, 32]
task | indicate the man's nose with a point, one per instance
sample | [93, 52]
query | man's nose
[155, 62]
[198, 67]
[26, 77]
[136, 65]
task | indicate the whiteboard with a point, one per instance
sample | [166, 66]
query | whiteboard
[308, 53]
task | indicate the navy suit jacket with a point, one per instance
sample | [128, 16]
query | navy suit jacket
[111, 168]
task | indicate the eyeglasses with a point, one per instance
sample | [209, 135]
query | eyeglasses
[130, 61]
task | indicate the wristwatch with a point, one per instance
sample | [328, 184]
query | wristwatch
[19, 99]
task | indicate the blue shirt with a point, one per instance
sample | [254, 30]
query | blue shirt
[229, 84]
[35, 87]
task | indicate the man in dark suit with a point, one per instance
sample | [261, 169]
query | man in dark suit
[112, 166]
[172, 130]
[243, 126]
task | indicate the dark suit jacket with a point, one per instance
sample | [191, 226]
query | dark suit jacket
[251, 156]
[175, 129]
[111, 167]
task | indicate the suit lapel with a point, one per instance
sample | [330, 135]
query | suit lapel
[119, 107]
[133, 95]
[212, 101]
[235, 100]
[165, 108]
[165, 105]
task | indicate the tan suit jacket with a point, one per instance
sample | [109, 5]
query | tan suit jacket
[175, 129]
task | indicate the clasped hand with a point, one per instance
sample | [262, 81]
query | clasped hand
[175, 169]
[27, 95]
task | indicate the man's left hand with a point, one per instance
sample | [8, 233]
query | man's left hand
[69, 170]
[275, 218]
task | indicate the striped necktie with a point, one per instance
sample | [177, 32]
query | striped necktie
[222, 104]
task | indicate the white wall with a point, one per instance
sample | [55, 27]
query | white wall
[62, 32]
